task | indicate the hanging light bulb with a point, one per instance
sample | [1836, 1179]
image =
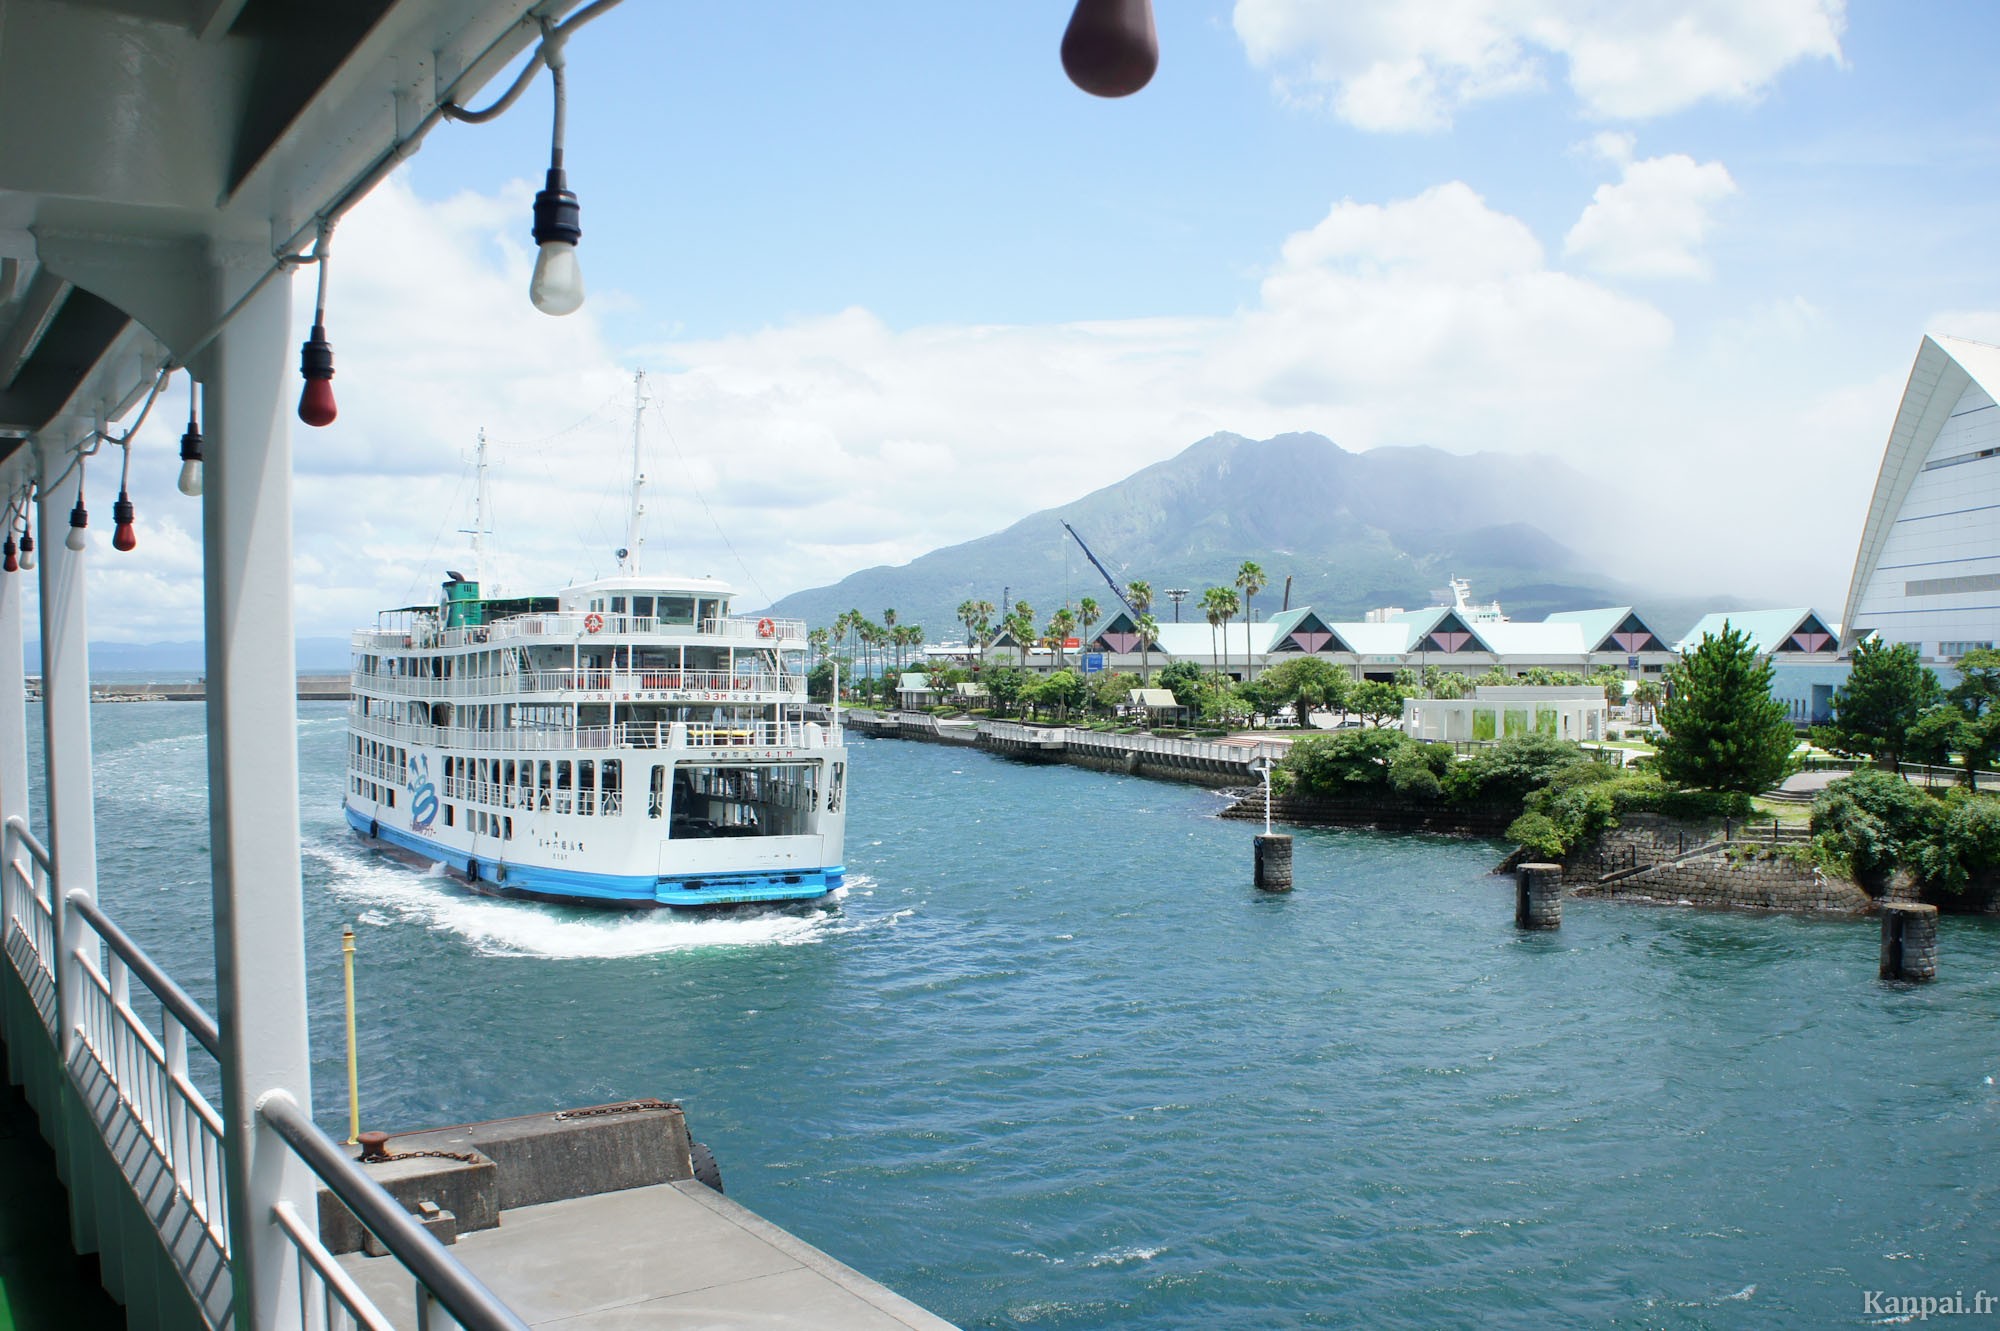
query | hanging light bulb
[27, 550]
[1110, 48]
[11, 564]
[79, 519]
[190, 478]
[123, 538]
[316, 405]
[557, 286]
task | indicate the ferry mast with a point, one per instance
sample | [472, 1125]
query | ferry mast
[628, 558]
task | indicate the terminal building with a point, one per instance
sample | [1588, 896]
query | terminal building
[1928, 570]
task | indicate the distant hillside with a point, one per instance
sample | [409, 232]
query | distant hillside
[1353, 531]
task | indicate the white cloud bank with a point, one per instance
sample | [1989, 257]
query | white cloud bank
[792, 455]
[1653, 221]
[1391, 65]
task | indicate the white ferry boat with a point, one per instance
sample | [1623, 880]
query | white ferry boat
[626, 743]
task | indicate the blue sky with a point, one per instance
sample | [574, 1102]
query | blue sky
[897, 283]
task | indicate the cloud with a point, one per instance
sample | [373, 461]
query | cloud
[1388, 65]
[1652, 222]
[790, 455]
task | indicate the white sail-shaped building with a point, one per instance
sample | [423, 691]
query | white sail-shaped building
[1928, 570]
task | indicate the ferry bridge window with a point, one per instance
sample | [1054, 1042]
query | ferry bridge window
[676, 609]
[642, 606]
[617, 605]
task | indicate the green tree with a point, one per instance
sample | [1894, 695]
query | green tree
[1004, 685]
[1250, 580]
[1139, 595]
[1183, 680]
[1378, 701]
[1724, 731]
[1647, 695]
[1612, 681]
[1887, 690]
[977, 617]
[1020, 625]
[1977, 692]
[1087, 614]
[1307, 683]
[1063, 689]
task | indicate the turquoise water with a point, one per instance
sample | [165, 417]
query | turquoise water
[1051, 1063]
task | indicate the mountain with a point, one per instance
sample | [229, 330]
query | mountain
[1353, 530]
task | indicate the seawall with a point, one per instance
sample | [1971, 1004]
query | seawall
[1215, 763]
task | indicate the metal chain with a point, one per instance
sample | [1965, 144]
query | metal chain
[625, 1107]
[463, 1157]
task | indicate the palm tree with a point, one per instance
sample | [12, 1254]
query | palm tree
[817, 640]
[1149, 632]
[1251, 579]
[974, 615]
[889, 635]
[1062, 626]
[1211, 606]
[1220, 604]
[1022, 625]
[1087, 613]
[1139, 595]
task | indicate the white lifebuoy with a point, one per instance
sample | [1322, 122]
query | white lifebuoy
[592, 622]
[766, 629]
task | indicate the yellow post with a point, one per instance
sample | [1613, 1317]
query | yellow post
[353, 1066]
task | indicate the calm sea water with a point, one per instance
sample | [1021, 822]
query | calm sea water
[1051, 1062]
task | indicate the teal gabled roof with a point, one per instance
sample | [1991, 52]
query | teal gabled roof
[1793, 630]
[1617, 628]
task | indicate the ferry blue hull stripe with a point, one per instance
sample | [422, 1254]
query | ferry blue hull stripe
[679, 890]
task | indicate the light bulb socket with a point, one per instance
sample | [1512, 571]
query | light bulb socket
[191, 441]
[122, 511]
[315, 362]
[558, 215]
[12, 564]
[79, 517]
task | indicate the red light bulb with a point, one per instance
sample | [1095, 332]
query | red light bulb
[316, 405]
[123, 538]
[13, 564]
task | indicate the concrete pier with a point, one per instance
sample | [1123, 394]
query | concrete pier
[1909, 941]
[594, 1218]
[1538, 902]
[1274, 862]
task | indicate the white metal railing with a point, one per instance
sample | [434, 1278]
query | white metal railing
[577, 625]
[747, 684]
[626, 735]
[1208, 750]
[147, 1071]
[27, 915]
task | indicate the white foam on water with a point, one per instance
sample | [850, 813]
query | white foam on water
[394, 893]
[1121, 1256]
[1740, 1294]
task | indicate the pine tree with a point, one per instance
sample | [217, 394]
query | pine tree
[1724, 730]
[1886, 693]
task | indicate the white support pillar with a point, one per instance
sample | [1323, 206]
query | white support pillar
[13, 688]
[72, 826]
[253, 784]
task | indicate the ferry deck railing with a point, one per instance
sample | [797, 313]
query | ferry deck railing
[749, 685]
[576, 625]
[625, 735]
[133, 1075]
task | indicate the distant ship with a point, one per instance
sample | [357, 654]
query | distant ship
[626, 742]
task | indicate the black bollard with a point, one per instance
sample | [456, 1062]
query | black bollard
[1274, 862]
[1909, 941]
[1538, 896]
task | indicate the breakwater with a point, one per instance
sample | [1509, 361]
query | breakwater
[1223, 762]
[311, 688]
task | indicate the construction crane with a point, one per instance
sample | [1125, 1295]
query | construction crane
[1098, 564]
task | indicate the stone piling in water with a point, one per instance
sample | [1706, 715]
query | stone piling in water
[1538, 901]
[1274, 862]
[1909, 941]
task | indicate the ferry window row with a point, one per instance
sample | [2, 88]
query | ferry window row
[373, 758]
[482, 823]
[591, 787]
[665, 609]
[370, 790]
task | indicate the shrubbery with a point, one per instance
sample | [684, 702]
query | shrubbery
[1874, 823]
